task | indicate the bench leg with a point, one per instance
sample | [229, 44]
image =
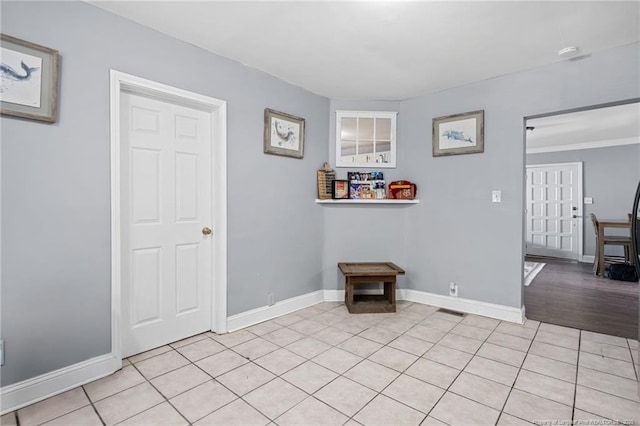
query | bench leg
[348, 294]
[390, 292]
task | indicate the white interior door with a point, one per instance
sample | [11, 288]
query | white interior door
[554, 210]
[166, 202]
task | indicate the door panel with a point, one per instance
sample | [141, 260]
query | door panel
[554, 210]
[166, 192]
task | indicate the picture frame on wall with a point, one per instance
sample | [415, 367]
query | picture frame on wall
[458, 134]
[283, 134]
[340, 190]
[28, 80]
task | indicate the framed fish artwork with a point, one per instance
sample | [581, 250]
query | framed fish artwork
[28, 80]
[283, 134]
[458, 134]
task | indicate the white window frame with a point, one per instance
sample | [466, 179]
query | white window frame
[392, 115]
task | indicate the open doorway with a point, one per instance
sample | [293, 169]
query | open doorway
[578, 163]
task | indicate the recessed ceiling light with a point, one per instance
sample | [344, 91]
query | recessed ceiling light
[568, 52]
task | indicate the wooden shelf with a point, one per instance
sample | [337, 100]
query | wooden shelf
[373, 201]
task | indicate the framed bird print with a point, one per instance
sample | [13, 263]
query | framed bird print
[283, 134]
[28, 80]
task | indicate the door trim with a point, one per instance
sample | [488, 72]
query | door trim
[579, 212]
[120, 82]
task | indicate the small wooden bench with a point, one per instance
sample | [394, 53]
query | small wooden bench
[366, 273]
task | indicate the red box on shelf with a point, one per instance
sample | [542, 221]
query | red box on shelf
[402, 190]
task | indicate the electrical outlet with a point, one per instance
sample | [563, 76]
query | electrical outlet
[453, 289]
[1, 352]
[271, 299]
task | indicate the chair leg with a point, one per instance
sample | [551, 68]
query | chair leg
[600, 270]
[627, 257]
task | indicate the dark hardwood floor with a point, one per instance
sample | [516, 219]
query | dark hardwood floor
[568, 294]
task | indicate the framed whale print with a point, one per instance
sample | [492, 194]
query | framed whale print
[28, 80]
[283, 134]
[458, 134]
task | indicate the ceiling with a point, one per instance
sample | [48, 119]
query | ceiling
[608, 126]
[388, 50]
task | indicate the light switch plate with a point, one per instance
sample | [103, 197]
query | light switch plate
[588, 200]
[496, 196]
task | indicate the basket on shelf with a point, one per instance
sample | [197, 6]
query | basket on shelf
[326, 176]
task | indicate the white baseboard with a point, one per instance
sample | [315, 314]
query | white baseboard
[491, 310]
[333, 295]
[29, 391]
[588, 259]
[501, 312]
[254, 316]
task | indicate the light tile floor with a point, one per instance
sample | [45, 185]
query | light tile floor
[321, 365]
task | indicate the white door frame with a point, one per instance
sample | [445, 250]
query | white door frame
[579, 213]
[218, 109]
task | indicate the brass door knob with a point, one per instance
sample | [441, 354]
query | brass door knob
[206, 230]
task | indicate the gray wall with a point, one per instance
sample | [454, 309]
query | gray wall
[55, 185]
[456, 233]
[356, 233]
[610, 176]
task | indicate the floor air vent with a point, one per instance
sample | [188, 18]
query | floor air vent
[450, 312]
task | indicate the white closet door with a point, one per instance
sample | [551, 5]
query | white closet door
[166, 189]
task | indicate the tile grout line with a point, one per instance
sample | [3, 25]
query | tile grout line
[148, 380]
[213, 379]
[363, 359]
[402, 372]
[450, 384]
[216, 381]
[513, 385]
[279, 376]
[311, 395]
[17, 417]
[160, 393]
[460, 372]
[93, 406]
[434, 344]
[250, 361]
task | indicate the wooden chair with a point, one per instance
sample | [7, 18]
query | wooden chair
[602, 240]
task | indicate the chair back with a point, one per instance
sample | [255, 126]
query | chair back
[594, 219]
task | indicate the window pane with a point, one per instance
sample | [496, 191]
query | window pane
[348, 129]
[383, 146]
[383, 129]
[365, 147]
[366, 128]
[347, 149]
